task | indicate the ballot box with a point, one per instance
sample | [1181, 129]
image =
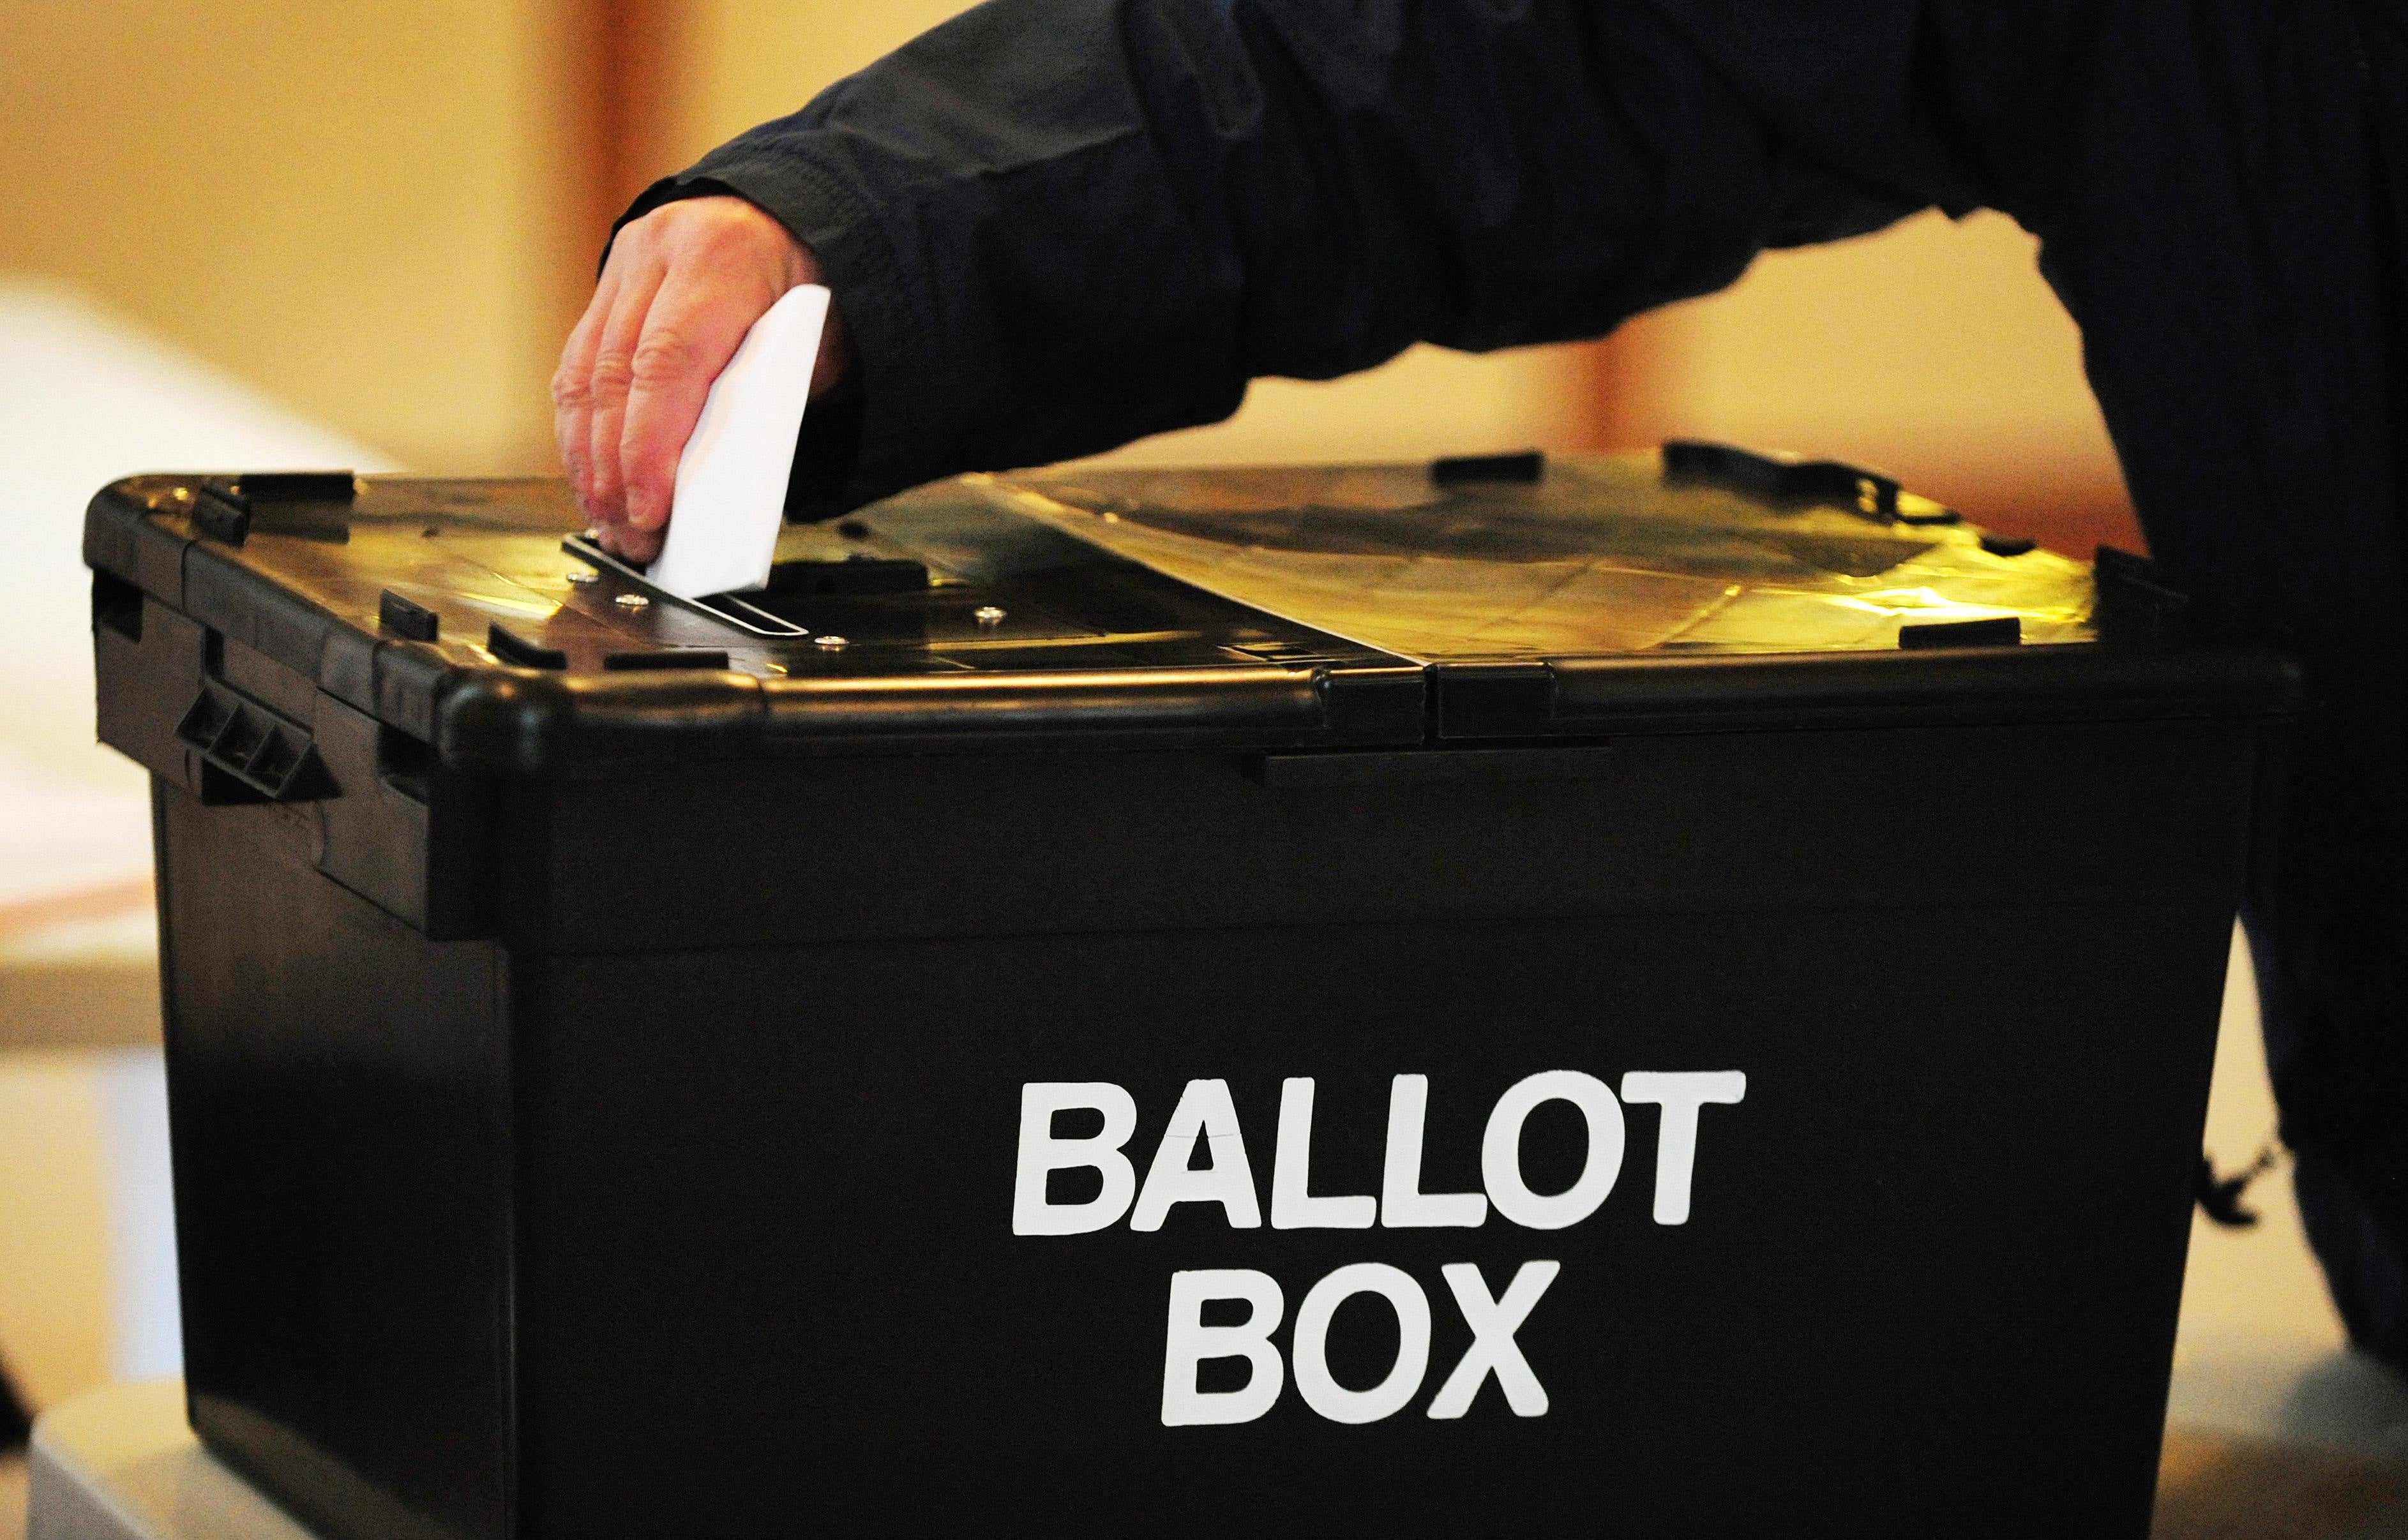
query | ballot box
[1638, 995]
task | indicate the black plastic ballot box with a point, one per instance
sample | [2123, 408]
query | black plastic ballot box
[1618, 995]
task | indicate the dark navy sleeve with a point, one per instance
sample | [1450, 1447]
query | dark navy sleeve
[1053, 226]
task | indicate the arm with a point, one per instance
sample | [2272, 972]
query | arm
[1053, 226]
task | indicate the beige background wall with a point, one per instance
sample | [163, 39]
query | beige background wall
[366, 208]
[1933, 350]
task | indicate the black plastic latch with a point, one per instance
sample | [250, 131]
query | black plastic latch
[406, 617]
[859, 572]
[1784, 475]
[511, 648]
[682, 657]
[298, 485]
[1526, 466]
[269, 756]
[2135, 603]
[1996, 631]
[220, 512]
[1501, 700]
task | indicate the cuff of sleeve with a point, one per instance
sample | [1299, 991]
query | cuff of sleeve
[862, 451]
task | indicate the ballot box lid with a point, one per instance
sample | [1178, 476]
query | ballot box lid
[1431, 605]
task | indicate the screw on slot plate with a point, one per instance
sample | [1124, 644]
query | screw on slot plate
[828, 643]
[631, 601]
[584, 574]
[987, 615]
[593, 532]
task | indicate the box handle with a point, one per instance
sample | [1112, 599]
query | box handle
[249, 752]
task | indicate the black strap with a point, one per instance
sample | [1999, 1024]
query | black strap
[15, 1426]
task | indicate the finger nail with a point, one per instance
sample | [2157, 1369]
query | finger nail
[645, 508]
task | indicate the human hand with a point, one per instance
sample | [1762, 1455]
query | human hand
[682, 287]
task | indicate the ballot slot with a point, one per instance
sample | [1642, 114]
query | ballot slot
[729, 608]
[866, 599]
[808, 592]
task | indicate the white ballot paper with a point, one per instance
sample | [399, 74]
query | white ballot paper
[730, 498]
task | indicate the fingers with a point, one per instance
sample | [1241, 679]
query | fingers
[638, 546]
[693, 329]
[836, 353]
[612, 375]
[572, 397]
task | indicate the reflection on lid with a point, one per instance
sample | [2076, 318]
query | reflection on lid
[1600, 556]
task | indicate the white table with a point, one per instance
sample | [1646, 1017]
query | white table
[119, 1464]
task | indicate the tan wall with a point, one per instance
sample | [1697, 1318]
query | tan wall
[366, 209]
[54, 1290]
[1934, 350]
[747, 60]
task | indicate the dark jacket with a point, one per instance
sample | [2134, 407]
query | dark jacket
[1056, 225]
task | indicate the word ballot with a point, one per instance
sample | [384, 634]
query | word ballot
[1206, 1121]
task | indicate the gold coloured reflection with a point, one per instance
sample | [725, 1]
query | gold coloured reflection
[1600, 556]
